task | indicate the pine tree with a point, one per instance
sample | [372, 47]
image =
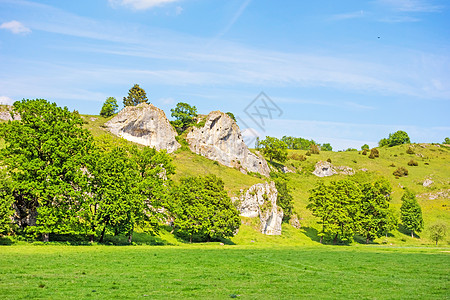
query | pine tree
[411, 213]
[136, 95]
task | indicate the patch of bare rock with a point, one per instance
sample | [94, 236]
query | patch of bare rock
[5, 113]
[144, 124]
[220, 139]
[324, 169]
[260, 200]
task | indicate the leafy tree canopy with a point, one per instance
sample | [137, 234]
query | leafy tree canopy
[136, 95]
[274, 148]
[411, 213]
[397, 138]
[202, 208]
[184, 115]
[44, 155]
[109, 107]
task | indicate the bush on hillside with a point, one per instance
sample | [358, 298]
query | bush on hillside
[400, 172]
[413, 163]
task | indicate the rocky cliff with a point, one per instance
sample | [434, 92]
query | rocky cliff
[144, 124]
[260, 200]
[220, 139]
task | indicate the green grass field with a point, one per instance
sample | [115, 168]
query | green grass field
[222, 272]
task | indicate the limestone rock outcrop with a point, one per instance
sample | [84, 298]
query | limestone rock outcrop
[324, 168]
[260, 200]
[144, 124]
[220, 139]
[5, 113]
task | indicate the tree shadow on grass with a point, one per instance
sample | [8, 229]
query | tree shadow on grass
[406, 231]
[311, 232]
[6, 241]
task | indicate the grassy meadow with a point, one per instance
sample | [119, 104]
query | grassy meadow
[222, 272]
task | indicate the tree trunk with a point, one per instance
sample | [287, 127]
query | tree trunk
[367, 240]
[436, 241]
[190, 239]
[321, 239]
[412, 233]
[91, 238]
[102, 235]
[130, 237]
[335, 239]
[45, 237]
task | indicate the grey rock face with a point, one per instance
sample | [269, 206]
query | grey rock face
[5, 113]
[324, 168]
[260, 200]
[144, 124]
[220, 139]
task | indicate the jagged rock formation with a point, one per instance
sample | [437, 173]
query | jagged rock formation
[324, 168]
[5, 113]
[144, 124]
[220, 139]
[260, 200]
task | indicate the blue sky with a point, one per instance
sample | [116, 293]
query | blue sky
[342, 72]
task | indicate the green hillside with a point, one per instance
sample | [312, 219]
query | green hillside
[433, 163]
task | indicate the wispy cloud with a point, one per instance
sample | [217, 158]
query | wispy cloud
[15, 27]
[399, 19]
[350, 15]
[140, 4]
[233, 20]
[423, 6]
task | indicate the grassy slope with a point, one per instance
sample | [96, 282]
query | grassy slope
[221, 272]
[437, 168]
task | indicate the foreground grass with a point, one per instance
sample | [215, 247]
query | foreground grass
[220, 272]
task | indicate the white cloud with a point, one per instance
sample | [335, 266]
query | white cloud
[6, 100]
[15, 27]
[412, 5]
[140, 4]
[351, 15]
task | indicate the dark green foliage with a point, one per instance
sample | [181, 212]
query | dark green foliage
[413, 163]
[274, 149]
[410, 150]
[376, 218]
[446, 141]
[202, 208]
[314, 149]
[284, 198]
[231, 115]
[44, 155]
[364, 152]
[351, 150]
[397, 138]
[337, 207]
[374, 153]
[438, 231]
[400, 172]
[411, 213]
[6, 203]
[109, 107]
[303, 144]
[329, 160]
[308, 153]
[184, 115]
[365, 147]
[326, 147]
[136, 95]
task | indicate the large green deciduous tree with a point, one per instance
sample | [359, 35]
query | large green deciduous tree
[274, 148]
[375, 216]
[411, 213]
[44, 155]
[201, 207]
[438, 231]
[399, 137]
[184, 115]
[109, 107]
[6, 202]
[337, 206]
[136, 95]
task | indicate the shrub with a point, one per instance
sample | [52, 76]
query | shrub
[365, 147]
[329, 160]
[364, 152]
[314, 149]
[374, 153]
[413, 163]
[392, 165]
[410, 151]
[308, 153]
[296, 156]
[400, 172]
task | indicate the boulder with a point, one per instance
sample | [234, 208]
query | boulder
[427, 182]
[144, 124]
[260, 200]
[220, 139]
[324, 168]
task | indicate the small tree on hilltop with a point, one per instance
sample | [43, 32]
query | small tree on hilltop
[411, 213]
[365, 147]
[446, 140]
[314, 149]
[274, 149]
[184, 115]
[109, 107]
[397, 138]
[136, 95]
[326, 147]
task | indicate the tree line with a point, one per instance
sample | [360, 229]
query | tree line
[56, 179]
